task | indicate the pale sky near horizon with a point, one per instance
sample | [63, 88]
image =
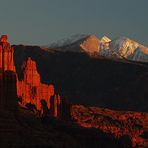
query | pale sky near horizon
[41, 22]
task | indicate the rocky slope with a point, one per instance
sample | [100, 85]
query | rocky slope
[120, 123]
[24, 129]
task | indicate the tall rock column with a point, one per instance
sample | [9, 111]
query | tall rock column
[6, 55]
[8, 98]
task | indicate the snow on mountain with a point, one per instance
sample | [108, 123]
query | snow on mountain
[123, 48]
[105, 39]
[139, 55]
[104, 47]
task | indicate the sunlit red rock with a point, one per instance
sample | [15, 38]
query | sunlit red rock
[119, 123]
[8, 95]
[6, 54]
[32, 90]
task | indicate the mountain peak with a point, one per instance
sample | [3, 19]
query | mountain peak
[124, 46]
[90, 44]
[121, 47]
[105, 39]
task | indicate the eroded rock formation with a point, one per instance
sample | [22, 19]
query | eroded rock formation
[33, 91]
[119, 123]
[8, 95]
[6, 54]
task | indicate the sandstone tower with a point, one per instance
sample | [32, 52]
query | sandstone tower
[32, 91]
[8, 96]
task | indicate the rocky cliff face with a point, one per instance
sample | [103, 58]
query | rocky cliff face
[33, 91]
[8, 96]
[6, 54]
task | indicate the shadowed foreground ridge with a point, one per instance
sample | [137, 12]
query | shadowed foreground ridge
[120, 123]
[25, 130]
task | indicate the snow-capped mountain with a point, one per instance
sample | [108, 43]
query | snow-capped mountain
[123, 48]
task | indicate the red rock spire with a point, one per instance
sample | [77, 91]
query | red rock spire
[6, 55]
[8, 97]
[33, 91]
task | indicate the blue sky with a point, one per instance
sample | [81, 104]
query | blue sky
[42, 22]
